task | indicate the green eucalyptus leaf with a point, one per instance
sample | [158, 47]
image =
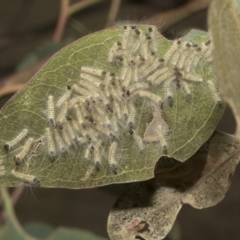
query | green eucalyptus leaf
[139, 97]
[225, 31]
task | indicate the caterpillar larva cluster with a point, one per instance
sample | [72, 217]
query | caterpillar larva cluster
[103, 102]
[94, 111]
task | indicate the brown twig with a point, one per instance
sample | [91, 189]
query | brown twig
[62, 20]
[113, 12]
[10, 89]
[166, 19]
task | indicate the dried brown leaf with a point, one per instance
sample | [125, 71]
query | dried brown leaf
[148, 210]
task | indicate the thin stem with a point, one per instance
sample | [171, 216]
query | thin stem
[17, 192]
[113, 12]
[11, 89]
[11, 214]
[62, 20]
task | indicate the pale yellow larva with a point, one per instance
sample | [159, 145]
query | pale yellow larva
[51, 110]
[185, 87]
[137, 86]
[184, 55]
[156, 65]
[112, 157]
[89, 150]
[127, 30]
[168, 92]
[176, 46]
[139, 38]
[80, 90]
[132, 115]
[138, 140]
[76, 100]
[214, 92]
[50, 143]
[61, 146]
[26, 178]
[112, 52]
[151, 96]
[93, 71]
[61, 119]
[14, 142]
[64, 97]
[191, 77]
[25, 151]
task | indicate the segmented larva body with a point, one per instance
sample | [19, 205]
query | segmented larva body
[126, 35]
[169, 75]
[139, 40]
[76, 100]
[117, 109]
[112, 156]
[137, 86]
[52, 153]
[88, 151]
[190, 77]
[214, 92]
[51, 110]
[174, 48]
[184, 55]
[62, 116]
[25, 151]
[162, 139]
[61, 146]
[81, 141]
[168, 92]
[151, 96]
[26, 178]
[157, 75]
[194, 59]
[82, 91]
[138, 140]
[112, 53]
[69, 130]
[64, 97]
[132, 116]
[185, 87]
[19, 138]
[129, 77]
[91, 82]
[157, 64]
[97, 155]
[93, 71]
[67, 138]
